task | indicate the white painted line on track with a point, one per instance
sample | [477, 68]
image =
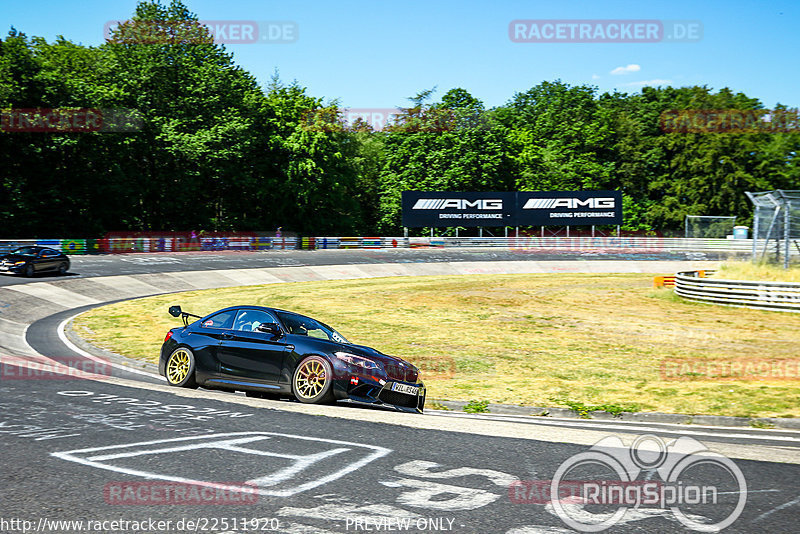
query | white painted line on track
[545, 419]
[630, 426]
[71, 346]
[267, 484]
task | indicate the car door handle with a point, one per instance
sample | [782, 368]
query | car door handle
[226, 336]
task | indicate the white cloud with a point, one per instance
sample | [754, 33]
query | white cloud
[643, 83]
[595, 77]
[626, 70]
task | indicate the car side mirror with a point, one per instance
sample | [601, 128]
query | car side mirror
[175, 311]
[269, 328]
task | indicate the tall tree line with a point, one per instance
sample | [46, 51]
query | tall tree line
[213, 150]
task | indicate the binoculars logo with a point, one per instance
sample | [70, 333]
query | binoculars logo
[679, 480]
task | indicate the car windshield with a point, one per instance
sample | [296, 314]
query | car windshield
[306, 326]
[25, 251]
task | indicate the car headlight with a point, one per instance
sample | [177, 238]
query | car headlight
[359, 361]
[19, 263]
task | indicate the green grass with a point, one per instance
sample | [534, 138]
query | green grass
[476, 406]
[591, 340]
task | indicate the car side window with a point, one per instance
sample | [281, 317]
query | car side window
[306, 326]
[222, 320]
[249, 320]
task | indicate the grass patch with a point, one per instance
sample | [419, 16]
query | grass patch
[434, 405]
[516, 339]
[742, 270]
[475, 406]
[584, 411]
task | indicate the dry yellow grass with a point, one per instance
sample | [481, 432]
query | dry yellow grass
[536, 340]
[745, 270]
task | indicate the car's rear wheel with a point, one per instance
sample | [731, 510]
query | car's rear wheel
[62, 269]
[180, 368]
[313, 381]
[29, 270]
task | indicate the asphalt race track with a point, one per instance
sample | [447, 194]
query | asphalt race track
[128, 264]
[120, 451]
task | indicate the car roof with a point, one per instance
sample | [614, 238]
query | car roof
[254, 307]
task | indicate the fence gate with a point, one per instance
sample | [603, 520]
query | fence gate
[776, 220]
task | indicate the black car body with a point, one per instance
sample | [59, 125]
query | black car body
[30, 260]
[271, 352]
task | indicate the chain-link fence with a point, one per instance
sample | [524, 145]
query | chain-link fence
[776, 225]
[707, 226]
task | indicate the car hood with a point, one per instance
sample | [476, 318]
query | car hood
[15, 257]
[396, 368]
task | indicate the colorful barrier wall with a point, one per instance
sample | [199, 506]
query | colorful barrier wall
[181, 242]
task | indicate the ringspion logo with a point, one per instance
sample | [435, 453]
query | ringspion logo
[680, 480]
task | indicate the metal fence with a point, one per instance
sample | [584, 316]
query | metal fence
[708, 225]
[776, 296]
[776, 225]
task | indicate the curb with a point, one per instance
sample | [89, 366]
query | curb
[792, 423]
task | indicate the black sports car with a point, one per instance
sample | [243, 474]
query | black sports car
[269, 352]
[30, 260]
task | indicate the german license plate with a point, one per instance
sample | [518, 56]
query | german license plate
[405, 388]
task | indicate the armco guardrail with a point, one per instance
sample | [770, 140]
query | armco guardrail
[777, 296]
[122, 245]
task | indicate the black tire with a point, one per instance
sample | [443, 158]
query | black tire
[29, 271]
[62, 269]
[179, 369]
[312, 382]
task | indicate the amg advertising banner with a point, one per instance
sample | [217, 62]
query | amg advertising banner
[568, 208]
[529, 208]
[434, 209]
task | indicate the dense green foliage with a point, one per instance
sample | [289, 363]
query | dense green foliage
[216, 151]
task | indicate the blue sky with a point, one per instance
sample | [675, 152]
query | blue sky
[375, 54]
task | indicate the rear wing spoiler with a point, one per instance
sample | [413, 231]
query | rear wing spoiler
[176, 311]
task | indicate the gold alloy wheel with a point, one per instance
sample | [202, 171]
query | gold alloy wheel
[178, 366]
[310, 379]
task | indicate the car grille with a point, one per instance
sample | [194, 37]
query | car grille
[398, 399]
[403, 373]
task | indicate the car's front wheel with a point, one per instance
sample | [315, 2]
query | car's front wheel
[180, 368]
[312, 382]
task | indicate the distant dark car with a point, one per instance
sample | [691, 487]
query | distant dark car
[269, 352]
[32, 259]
